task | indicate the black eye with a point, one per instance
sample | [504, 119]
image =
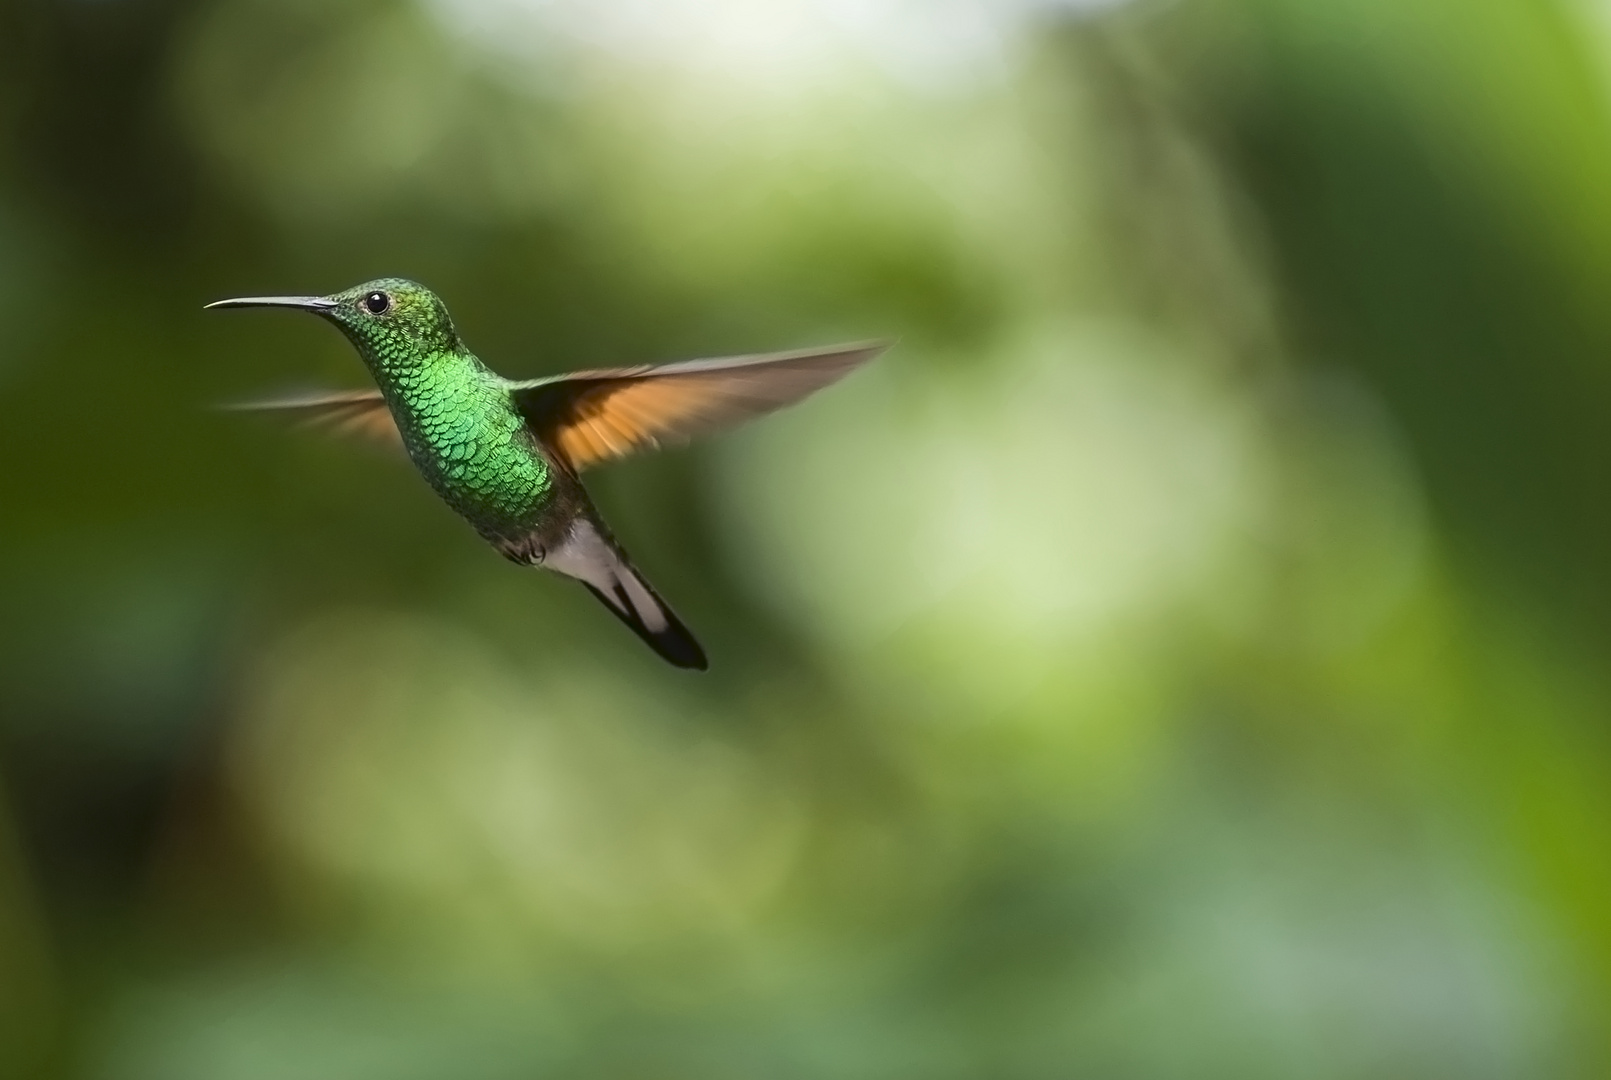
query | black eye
[377, 303]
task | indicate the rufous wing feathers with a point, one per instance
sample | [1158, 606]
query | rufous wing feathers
[595, 416]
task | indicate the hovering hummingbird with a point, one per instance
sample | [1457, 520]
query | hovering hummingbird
[508, 456]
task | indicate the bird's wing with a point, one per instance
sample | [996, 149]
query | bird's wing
[344, 412]
[596, 416]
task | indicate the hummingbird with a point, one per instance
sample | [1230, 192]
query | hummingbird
[508, 455]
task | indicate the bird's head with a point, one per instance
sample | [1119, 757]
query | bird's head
[394, 323]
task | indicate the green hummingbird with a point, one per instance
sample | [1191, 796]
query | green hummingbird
[508, 456]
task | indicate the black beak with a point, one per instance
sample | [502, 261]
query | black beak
[306, 303]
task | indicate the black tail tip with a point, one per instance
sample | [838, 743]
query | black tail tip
[675, 643]
[680, 649]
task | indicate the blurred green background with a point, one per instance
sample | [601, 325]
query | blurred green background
[1182, 657]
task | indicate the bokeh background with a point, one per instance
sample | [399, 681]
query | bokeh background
[1183, 656]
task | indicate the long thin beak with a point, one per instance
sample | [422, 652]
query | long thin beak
[306, 303]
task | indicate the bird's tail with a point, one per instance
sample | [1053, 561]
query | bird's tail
[591, 556]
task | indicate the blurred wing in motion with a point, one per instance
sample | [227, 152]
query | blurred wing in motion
[596, 416]
[345, 412]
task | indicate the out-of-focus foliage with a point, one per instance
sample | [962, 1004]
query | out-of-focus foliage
[1181, 657]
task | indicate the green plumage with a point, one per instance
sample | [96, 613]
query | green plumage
[507, 456]
[457, 419]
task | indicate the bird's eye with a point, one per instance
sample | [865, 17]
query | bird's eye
[377, 303]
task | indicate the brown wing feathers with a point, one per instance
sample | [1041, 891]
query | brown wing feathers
[596, 416]
[343, 412]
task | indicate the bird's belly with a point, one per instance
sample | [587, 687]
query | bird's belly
[499, 486]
